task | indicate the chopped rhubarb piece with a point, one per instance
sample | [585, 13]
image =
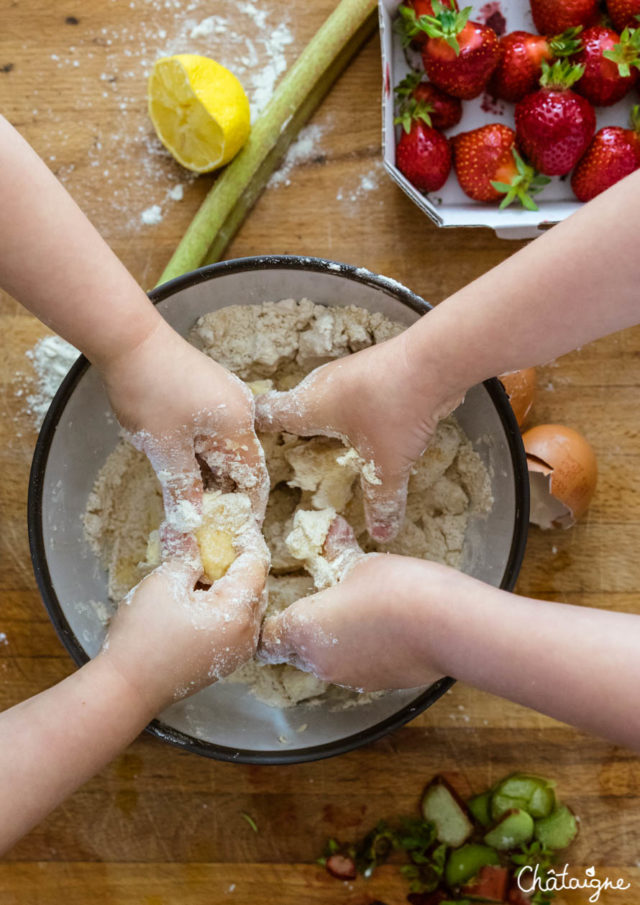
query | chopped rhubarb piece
[445, 809]
[341, 867]
[489, 885]
[465, 862]
[514, 828]
[558, 830]
[533, 794]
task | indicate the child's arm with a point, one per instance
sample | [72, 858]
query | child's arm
[178, 401]
[397, 622]
[167, 642]
[55, 263]
[572, 285]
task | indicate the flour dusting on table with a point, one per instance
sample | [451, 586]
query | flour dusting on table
[51, 357]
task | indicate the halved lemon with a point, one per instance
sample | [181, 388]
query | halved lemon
[199, 110]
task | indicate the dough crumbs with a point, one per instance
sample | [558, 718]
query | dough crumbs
[273, 346]
[306, 544]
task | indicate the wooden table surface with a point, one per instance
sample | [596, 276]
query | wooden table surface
[160, 826]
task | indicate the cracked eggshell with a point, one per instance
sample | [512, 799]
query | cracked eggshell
[520, 387]
[563, 473]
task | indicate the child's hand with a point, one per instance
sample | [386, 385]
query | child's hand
[364, 632]
[177, 403]
[169, 640]
[377, 402]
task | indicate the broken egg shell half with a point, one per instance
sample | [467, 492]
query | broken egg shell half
[520, 387]
[563, 473]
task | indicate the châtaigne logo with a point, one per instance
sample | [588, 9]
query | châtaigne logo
[530, 880]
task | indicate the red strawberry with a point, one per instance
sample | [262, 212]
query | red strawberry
[553, 16]
[423, 155]
[425, 7]
[417, 98]
[459, 56]
[623, 13]
[409, 13]
[489, 168]
[554, 125]
[613, 154]
[610, 64]
[521, 55]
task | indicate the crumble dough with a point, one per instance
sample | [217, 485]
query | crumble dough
[274, 345]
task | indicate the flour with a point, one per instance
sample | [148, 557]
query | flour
[176, 193]
[152, 215]
[366, 184]
[213, 25]
[274, 346]
[300, 151]
[51, 357]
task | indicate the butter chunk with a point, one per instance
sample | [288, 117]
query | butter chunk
[216, 551]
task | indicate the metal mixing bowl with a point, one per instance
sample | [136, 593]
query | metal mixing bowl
[79, 431]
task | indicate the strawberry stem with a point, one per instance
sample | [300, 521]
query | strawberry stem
[525, 183]
[561, 75]
[446, 24]
[412, 110]
[406, 25]
[408, 85]
[567, 43]
[627, 52]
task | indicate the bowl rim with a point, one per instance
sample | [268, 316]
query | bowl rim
[36, 488]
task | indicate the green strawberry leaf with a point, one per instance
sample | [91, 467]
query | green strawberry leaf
[412, 110]
[446, 24]
[562, 74]
[525, 183]
[407, 86]
[567, 43]
[626, 53]
[406, 25]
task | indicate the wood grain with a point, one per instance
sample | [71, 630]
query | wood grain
[160, 826]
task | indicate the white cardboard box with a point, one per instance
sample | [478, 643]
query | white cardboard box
[450, 206]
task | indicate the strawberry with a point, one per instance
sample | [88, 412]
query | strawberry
[613, 154]
[623, 13]
[423, 155]
[407, 24]
[417, 98]
[459, 56]
[608, 61]
[489, 167]
[521, 55]
[553, 16]
[425, 7]
[554, 125]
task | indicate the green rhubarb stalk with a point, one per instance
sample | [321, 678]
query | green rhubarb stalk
[294, 101]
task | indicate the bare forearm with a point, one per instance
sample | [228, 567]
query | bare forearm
[56, 741]
[55, 263]
[577, 664]
[574, 284]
